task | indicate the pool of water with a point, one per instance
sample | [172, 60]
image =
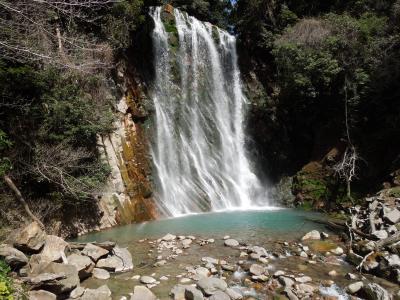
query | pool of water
[285, 223]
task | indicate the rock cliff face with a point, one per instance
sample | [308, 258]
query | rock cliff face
[127, 196]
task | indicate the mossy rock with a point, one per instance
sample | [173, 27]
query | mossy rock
[322, 246]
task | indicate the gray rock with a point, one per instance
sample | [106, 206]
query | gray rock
[54, 249]
[213, 261]
[168, 237]
[147, 279]
[303, 279]
[286, 281]
[374, 291]
[76, 293]
[380, 234]
[393, 260]
[191, 293]
[211, 285]
[186, 243]
[289, 293]
[101, 293]
[312, 235]
[12, 256]
[393, 216]
[256, 269]
[41, 295]
[202, 272]
[234, 294]
[126, 259]
[83, 264]
[231, 243]
[100, 274]
[178, 292]
[65, 277]
[337, 251]
[94, 252]
[220, 295]
[354, 287]
[142, 293]
[306, 288]
[30, 239]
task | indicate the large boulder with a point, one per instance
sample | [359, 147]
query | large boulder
[211, 285]
[30, 239]
[126, 258]
[83, 264]
[374, 291]
[54, 277]
[12, 256]
[142, 293]
[54, 249]
[101, 293]
[312, 235]
[119, 261]
[94, 252]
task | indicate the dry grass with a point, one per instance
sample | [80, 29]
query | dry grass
[307, 32]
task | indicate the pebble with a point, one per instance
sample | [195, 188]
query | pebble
[231, 243]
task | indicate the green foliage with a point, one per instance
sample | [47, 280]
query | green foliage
[6, 292]
[5, 143]
[121, 20]
[72, 113]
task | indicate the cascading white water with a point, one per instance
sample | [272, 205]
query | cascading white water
[198, 148]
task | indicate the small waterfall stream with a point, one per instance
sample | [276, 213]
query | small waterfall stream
[198, 147]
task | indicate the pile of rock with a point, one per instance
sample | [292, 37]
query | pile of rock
[52, 268]
[376, 236]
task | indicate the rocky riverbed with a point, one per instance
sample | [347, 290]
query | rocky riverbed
[313, 266]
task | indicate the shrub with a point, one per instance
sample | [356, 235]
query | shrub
[5, 282]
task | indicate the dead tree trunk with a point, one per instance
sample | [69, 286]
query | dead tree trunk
[18, 196]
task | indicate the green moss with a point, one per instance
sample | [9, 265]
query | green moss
[395, 192]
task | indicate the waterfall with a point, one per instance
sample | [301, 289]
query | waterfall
[198, 146]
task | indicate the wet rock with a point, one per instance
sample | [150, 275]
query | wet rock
[76, 293]
[279, 273]
[260, 278]
[160, 263]
[54, 277]
[354, 287]
[219, 295]
[147, 280]
[168, 237]
[229, 268]
[256, 269]
[213, 261]
[374, 291]
[312, 235]
[83, 264]
[211, 285]
[100, 274]
[234, 294]
[54, 249]
[101, 293]
[393, 260]
[142, 293]
[380, 234]
[191, 293]
[94, 252]
[393, 216]
[30, 239]
[13, 257]
[231, 243]
[178, 292]
[303, 254]
[41, 295]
